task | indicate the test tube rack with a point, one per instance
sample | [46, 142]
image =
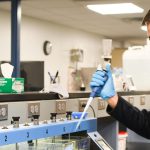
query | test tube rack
[44, 130]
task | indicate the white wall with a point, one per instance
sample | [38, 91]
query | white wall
[5, 36]
[34, 32]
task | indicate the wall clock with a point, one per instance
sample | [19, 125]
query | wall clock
[47, 47]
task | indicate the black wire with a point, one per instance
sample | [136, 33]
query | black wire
[93, 111]
[83, 105]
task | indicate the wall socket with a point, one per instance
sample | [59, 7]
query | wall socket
[3, 112]
[101, 104]
[33, 109]
[81, 103]
[131, 100]
[142, 100]
[61, 106]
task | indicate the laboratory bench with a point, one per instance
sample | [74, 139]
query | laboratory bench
[34, 96]
[107, 126]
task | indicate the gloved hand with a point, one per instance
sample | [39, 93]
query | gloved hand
[103, 80]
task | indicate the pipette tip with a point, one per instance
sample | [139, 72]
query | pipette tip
[77, 127]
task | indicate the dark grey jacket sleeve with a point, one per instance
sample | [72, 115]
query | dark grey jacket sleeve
[132, 117]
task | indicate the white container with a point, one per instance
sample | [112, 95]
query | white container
[122, 140]
[136, 63]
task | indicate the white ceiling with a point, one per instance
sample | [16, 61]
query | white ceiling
[75, 14]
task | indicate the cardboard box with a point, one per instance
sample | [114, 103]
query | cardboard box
[11, 85]
[17, 85]
[5, 85]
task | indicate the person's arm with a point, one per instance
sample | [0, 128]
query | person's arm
[112, 102]
[130, 116]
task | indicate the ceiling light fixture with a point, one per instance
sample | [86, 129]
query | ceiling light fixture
[120, 8]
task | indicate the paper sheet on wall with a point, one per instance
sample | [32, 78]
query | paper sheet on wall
[57, 88]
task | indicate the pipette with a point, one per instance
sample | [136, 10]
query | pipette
[92, 95]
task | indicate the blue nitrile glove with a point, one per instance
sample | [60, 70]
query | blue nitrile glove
[104, 80]
[108, 90]
[98, 80]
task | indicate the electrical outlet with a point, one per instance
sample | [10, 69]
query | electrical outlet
[131, 100]
[81, 103]
[60, 106]
[33, 109]
[101, 104]
[3, 112]
[142, 100]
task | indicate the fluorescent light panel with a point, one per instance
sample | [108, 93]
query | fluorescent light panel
[120, 8]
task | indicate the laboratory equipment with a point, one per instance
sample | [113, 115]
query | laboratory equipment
[80, 142]
[99, 141]
[33, 74]
[51, 143]
[32, 132]
[53, 78]
[15, 122]
[69, 115]
[53, 117]
[54, 81]
[107, 48]
[92, 95]
[135, 59]
[36, 119]
[57, 144]
[77, 115]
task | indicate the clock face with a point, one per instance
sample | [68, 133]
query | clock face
[47, 47]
